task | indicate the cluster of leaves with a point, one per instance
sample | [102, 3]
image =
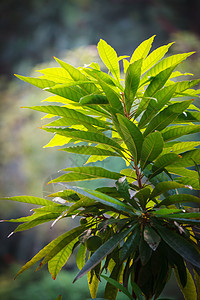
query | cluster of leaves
[141, 228]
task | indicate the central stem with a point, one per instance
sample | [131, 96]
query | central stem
[139, 180]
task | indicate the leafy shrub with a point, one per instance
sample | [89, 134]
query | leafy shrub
[146, 227]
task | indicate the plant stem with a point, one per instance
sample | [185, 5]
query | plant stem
[139, 177]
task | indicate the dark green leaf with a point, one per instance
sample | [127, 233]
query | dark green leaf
[179, 244]
[103, 251]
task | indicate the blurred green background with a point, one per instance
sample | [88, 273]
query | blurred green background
[31, 33]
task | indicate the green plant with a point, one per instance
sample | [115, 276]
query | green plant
[146, 227]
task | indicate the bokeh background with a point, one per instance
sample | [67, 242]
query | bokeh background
[31, 33]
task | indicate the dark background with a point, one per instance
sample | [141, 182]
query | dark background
[31, 33]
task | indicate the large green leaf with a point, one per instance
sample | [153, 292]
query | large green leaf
[164, 161]
[37, 221]
[57, 74]
[166, 116]
[179, 147]
[165, 186]
[73, 92]
[165, 63]
[60, 259]
[151, 148]
[179, 199]
[86, 136]
[76, 75]
[132, 81]
[174, 132]
[72, 114]
[184, 85]
[29, 199]
[189, 159]
[180, 244]
[109, 58]
[132, 137]
[92, 172]
[162, 96]
[187, 177]
[154, 57]
[90, 150]
[142, 50]
[102, 252]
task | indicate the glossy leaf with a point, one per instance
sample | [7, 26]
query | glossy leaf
[189, 291]
[151, 237]
[131, 244]
[189, 159]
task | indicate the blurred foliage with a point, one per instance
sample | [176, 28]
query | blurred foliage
[34, 30]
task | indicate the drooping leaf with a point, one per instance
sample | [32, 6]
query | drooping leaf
[132, 137]
[60, 259]
[109, 58]
[189, 291]
[48, 248]
[151, 148]
[81, 256]
[132, 81]
[145, 250]
[143, 196]
[179, 244]
[102, 252]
